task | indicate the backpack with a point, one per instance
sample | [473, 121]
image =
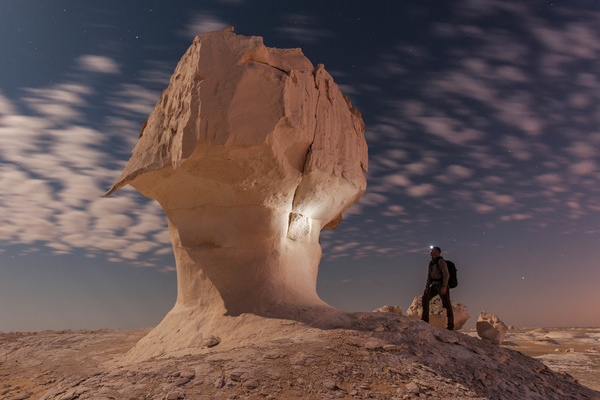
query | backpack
[452, 280]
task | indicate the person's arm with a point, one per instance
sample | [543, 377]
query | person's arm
[445, 274]
[428, 279]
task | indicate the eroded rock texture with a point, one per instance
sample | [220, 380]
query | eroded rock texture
[250, 151]
[491, 328]
[437, 312]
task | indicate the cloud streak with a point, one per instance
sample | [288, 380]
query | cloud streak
[303, 28]
[54, 169]
[501, 131]
[100, 64]
[484, 122]
[204, 22]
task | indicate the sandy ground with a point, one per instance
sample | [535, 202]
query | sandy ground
[382, 357]
[575, 351]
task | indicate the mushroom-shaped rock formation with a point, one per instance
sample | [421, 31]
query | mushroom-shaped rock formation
[251, 151]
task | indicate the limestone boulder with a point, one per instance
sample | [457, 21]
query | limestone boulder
[491, 328]
[251, 151]
[437, 312]
[390, 309]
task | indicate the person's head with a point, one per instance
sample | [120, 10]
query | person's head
[435, 251]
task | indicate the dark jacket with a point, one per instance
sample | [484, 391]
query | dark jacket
[438, 272]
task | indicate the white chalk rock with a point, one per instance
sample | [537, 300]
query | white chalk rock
[489, 327]
[390, 309]
[437, 312]
[250, 151]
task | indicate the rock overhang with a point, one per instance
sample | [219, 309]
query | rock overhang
[269, 105]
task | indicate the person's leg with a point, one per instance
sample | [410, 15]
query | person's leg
[425, 305]
[448, 306]
[431, 293]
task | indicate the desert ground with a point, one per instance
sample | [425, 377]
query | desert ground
[575, 351]
[381, 356]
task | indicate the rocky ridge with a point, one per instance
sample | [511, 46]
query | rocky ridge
[378, 356]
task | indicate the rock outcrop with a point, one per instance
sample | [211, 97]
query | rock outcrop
[251, 151]
[390, 309]
[437, 312]
[489, 327]
[377, 356]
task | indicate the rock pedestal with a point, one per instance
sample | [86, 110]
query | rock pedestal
[251, 152]
[437, 312]
[489, 327]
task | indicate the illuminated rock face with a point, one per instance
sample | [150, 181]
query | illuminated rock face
[250, 151]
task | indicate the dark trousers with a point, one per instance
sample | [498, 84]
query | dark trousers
[434, 290]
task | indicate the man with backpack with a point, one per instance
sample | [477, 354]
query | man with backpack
[437, 284]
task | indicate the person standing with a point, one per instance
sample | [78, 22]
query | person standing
[437, 284]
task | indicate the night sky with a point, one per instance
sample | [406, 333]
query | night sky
[482, 121]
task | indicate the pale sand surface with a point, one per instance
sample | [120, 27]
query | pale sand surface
[575, 351]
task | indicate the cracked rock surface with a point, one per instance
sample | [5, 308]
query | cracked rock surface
[374, 356]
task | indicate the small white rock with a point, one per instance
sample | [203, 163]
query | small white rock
[413, 388]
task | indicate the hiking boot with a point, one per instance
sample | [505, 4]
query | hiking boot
[450, 328]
